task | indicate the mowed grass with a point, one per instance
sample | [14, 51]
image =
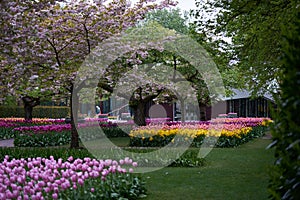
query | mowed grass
[230, 174]
[235, 173]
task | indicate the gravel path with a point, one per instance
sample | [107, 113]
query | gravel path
[7, 143]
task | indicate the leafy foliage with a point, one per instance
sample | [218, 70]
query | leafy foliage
[169, 18]
[6, 133]
[285, 176]
[42, 140]
[253, 36]
[38, 112]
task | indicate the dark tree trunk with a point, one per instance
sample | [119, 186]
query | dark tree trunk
[74, 99]
[140, 113]
[139, 106]
[28, 112]
[29, 104]
[203, 116]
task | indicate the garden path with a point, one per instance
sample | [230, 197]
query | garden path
[7, 143]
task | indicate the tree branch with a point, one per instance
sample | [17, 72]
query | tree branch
[55, 51]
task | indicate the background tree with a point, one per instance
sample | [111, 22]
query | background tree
[174, 20]
[169, 18]
[254, 31]
[136, 65]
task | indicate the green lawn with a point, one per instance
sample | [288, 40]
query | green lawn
[235, 173]
[230, 173]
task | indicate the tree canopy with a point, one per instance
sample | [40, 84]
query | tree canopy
[254, 29]
[52, 38]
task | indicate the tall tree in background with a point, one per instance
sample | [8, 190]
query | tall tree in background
[255, 32]
[174, 20]
[169, 18]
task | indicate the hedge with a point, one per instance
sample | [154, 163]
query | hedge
[285, 174]
[38, 111]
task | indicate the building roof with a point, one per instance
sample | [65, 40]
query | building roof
[242, 94]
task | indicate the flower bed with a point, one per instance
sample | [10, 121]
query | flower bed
[60, 134]
[43, 178]
[50, 132]
[53, 132]
[8, 124]
[229, 132]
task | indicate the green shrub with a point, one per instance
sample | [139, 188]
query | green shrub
[11, 111]
[116, 131]
[53, 112]
[189, 159]
[285, 176]
[91, 133]
[43, 140]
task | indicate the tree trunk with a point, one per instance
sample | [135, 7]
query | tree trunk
[28, 112]
[29, 104]
[74, 99]
[140, 113]
[202, 108]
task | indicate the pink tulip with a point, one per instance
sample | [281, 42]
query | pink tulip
[54, 196]
[80, 182]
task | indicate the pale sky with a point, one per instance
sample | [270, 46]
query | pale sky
[182, 4]
[186, 4]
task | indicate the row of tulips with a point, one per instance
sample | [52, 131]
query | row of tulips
[244, 121]
[60, 127]
[47, 178]
[10, 127]
[222, 133]
[43, 121]
[60, 134]
[33, 121]
[8, 124]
